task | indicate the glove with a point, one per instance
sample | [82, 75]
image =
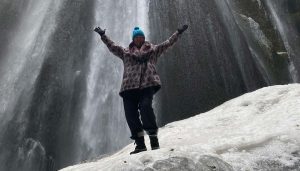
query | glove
[182, 29]
[100, 31]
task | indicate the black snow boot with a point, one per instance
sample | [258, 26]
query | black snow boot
[154, 142]
[140, 145]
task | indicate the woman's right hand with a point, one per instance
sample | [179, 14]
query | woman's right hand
[100, 31]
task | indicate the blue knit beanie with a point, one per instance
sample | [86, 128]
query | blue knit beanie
[137, 32]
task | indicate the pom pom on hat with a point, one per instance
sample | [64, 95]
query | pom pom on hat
[137, 32]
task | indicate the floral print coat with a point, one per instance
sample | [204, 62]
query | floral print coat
[139, 64]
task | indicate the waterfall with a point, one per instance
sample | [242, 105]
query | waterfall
[281, 18]
[59, 84]
[103, 127]
[21, 59]
[24, 54]
[241, 48]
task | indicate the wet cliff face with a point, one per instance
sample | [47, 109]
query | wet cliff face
[231, 47]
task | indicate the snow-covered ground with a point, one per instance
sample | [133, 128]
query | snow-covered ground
[256, 131]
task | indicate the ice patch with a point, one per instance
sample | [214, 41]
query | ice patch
[256, 131]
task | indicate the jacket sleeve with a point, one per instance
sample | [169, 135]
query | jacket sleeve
[160, 48]
[113, 48]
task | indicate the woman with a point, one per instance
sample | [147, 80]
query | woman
[140, 82]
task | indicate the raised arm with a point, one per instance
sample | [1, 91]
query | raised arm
[113, 48]
[160, 48]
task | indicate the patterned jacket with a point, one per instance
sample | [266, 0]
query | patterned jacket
[139, 64]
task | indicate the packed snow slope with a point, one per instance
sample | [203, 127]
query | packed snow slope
[256, 131]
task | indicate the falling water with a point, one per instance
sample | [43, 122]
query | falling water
[59, 84]
[103, 127]
[282, 22]
[21, 60]
[24, 53]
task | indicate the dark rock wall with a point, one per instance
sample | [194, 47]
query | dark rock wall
[218, 58]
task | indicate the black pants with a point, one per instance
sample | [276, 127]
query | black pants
[139, 112]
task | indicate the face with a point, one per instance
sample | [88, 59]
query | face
[139, 40]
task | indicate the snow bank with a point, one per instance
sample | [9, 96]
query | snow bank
[256, 131]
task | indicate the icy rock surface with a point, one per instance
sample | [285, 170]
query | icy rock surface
[256, 131]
